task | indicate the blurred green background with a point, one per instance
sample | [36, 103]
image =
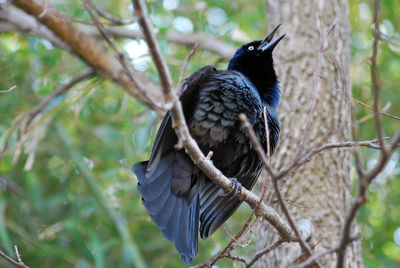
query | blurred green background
[70, 198]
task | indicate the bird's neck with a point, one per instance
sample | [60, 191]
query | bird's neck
[265, 80]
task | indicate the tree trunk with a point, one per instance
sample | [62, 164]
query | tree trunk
[320, 190]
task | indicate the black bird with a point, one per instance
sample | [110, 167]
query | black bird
[174, 191]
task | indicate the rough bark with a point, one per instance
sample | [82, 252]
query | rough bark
[320, 190]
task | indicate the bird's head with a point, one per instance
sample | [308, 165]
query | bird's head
[255, 61]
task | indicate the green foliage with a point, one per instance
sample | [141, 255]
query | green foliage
[380, 217]
[78, 205]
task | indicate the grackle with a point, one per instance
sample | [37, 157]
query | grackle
[174, 190]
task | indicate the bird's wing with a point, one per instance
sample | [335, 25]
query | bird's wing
[166, 137]
[165, 181]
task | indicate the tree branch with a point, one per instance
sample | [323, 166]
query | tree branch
[263, 251]
[182, 73]
[373, 109]
[18, 263]
[18, 21]
[88, 48]
[161, 65]
[8, 90]
[57, 92]
[375, 76]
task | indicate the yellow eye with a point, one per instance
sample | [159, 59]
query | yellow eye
[251, 48]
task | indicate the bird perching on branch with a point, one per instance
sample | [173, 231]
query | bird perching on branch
[175, 192]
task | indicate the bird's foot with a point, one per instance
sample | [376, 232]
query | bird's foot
[236, 191]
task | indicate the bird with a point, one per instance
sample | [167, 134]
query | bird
[181, 200]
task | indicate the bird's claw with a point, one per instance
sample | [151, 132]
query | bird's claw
[236, 191]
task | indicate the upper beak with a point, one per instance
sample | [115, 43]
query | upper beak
[267, 43]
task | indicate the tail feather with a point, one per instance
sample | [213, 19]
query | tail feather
[164, 203]
[188, 228]
[172, 230]
[215, 209]
[176, 216]
[194, 225]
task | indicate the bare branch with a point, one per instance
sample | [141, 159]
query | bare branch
[315, 256]
[236, 258]
[205, 41]
[267, 132]
[57, 92]
[154, 104]
[18, 21]
[148, 31]
[8, 90]
[375, 78]
[111, 18]
[313, 151]
[88, 48]
[263, 251]
[369, 116]
[235, 242]
[300, 238]
[394, 42]
[374, 109]
[184, 67]
[18, 263]
[257, 145]
[261, 154]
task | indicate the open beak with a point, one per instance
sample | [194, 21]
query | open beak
[267, 43]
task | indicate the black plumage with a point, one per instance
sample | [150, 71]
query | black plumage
[174, 191]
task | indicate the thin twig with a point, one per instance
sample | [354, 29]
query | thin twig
[12, 186]
[375, 76]
[257, 145]
[121, 58]
[57, 92]
[265, 187]
[235, 242]
[263, 251]
[184, 67]
[390, 40]
[111, 18]
[371, 115]
[8, 90]
[289, 218]
[235, 258]
[18, 263]
[374, 109]
[315, 256]
[261, 154]
[161, 65]
[347, 144]
[315, 150]
[267, 132]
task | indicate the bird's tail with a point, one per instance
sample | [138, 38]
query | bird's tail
[176, 216]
